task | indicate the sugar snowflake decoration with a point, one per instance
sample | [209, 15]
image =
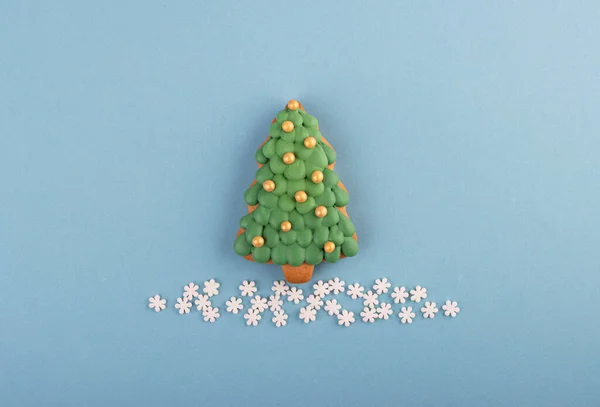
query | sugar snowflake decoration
[406, 315]
[295, 295]
[418, 294]
[369, 314]
[314, 302]
[280, 288]
[234, 305]
[381, 286]
[279, 318]
[247, 288]
[252, 317]
[274, 303]
[190, 291]
[332, 307]
[157, 303]
[451, 308]
[321, 288]
[384, 311]
[211, 314]
[355, 291]
[308, 314]
[211, 287]
[259, 303]
[429, 310]
[202, 302]
[345, 318]
[183, 305]
[336, 286]
[399, 295]
[370, 299]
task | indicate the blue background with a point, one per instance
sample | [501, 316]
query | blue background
[468, 136]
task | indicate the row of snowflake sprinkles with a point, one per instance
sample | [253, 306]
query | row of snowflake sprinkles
[374, 309]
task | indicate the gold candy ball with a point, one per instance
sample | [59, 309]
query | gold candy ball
[329, 247]
[310, 142]
[300, 196]
[289, 158]
[293, 104]
[269, 185]
[287, 126]
[320, 211]
[258, 241]
[317, 176]
[286, 226]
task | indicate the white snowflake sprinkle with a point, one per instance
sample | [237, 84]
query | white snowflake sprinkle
[370, 299]
[418, 294]
[406, 315]
[355, 291]
[280, 288]
[314, 302]
[381, 286]
[345, 318]
[234, 305]
[321, 288]
[369, 314]
[308, 314]
[429, 310]
[183, 305]
[332, 307]
[280, 318]
[211, 287]
[451, 308]
[211, 314]
[157, 303]
[252, 317]
[202, 302]
[336, 286]
[247, 288]
[190, 291]
[295, 295]
[274, 303]
[259, 303]
[399, 295]
[384, 310]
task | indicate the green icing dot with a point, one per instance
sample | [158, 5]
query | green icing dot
[321, 235]
[304, 237]
[315, 190]
[283, 147]
[314, 132]
[305, 207]
[271, 236]
[282, 116]
[330, 178]
[346, 226]
[280, 185]
[301, 134]
[260, 157]
[336, 235]
[261, 215]
[350, 247]
[279, 255]
[263, 174]
[291, 136]
[341, 196]
[287, 238]
[254, 229]
[242, 247]
[286, 203]
[310, 121]
[314, 254]
[295, 255]
[311, 221]
[245, 219]
[275, 130]
[302, 152]
[296, 185]
[251, 194]
[327, 198]
[267, 199]
[333, 256]
[277, 216]
[329, 153]
[261, 254]
[296, 118]
[296, 220]
[332, 218]
[268, 149]
[296, 170]
[277, 165]
[317, 160]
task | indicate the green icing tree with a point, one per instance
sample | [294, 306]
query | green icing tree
[297, 204]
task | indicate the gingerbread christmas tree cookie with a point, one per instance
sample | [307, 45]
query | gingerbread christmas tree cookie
[296, 205]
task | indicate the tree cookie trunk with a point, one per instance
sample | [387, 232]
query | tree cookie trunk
[298, 275]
